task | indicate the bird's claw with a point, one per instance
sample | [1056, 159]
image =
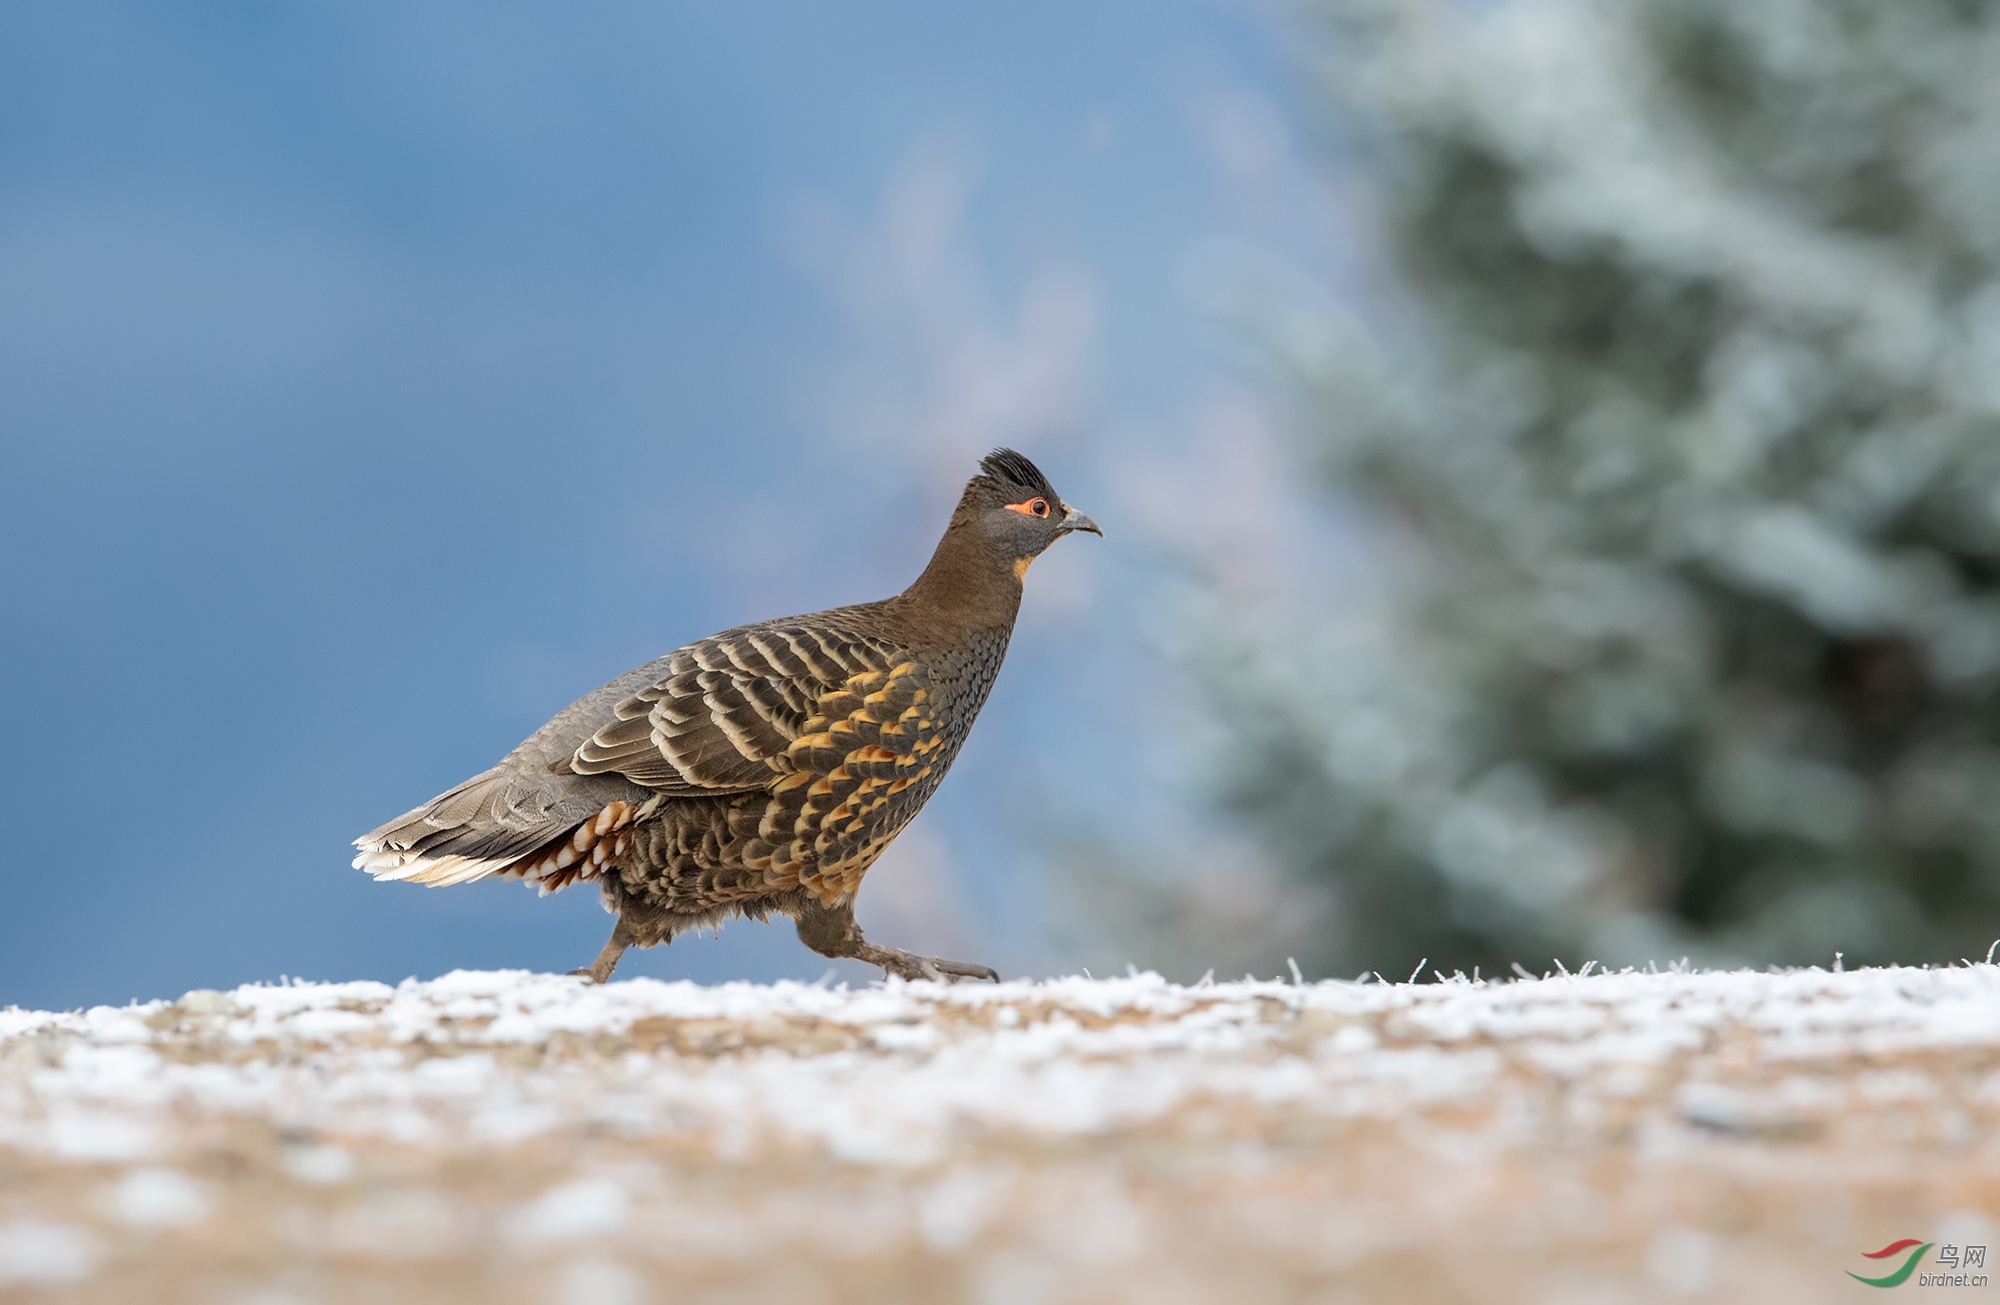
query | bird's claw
[908, 965]
[967, 970]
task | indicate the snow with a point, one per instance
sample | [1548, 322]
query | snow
[158, 1198]
[36, 1251]
[1097, 1123]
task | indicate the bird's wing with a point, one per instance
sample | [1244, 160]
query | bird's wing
[725, 716]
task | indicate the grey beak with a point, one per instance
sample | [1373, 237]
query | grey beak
[1075, 520]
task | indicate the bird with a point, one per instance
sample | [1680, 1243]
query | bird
[761, 771]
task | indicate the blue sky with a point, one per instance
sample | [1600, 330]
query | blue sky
[375, 380]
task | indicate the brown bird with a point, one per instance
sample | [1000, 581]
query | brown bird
[762, 770]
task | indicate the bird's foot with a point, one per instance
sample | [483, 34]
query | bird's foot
[607, 960]
[909, 965]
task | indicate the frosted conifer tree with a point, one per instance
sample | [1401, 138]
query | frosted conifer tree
[1693, 427]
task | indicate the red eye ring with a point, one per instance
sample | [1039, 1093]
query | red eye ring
[1034, 507]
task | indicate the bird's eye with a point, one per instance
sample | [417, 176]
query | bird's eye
[1040, 507]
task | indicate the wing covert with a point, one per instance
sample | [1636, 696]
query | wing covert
[725, 717]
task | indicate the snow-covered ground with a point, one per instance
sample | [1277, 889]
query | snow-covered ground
[506, 1137]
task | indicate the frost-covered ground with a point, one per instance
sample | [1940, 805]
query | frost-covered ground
[503, 1137]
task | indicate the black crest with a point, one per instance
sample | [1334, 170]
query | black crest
[1015, 477]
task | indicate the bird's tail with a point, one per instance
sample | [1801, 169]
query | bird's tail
[485, 827]
[455, 838]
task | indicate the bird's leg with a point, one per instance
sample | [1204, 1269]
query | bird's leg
[832, 931]
[607, 960]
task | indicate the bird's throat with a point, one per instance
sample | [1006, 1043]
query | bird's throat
[970, 584]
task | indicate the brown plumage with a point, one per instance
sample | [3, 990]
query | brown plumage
[762, 770]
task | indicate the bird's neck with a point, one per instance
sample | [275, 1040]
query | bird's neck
[969, 585]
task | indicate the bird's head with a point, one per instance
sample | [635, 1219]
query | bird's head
[1017, 510]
